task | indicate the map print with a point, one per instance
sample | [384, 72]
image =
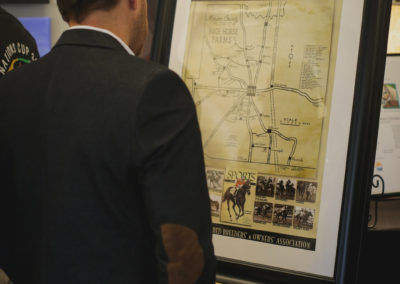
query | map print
[258, 72]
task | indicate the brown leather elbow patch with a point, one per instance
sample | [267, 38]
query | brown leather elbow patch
[185, 255]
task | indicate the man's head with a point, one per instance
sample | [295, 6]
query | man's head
[126, 18]
[78, 10]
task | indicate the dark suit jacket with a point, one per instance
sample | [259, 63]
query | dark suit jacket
[101, 170]
[17, 46]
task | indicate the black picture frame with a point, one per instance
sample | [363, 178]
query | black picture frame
[163, 31]
[360, 155]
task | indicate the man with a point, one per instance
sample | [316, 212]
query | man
[101, 165]
[17, 46]
[311, 190]
[239, 183]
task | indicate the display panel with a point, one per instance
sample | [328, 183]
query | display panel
[40, 29]
[388, 150]
[248, 65]
[261, 97]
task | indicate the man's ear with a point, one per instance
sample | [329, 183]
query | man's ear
[133, 4]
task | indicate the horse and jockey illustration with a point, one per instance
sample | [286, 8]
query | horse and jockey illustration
[236, 196]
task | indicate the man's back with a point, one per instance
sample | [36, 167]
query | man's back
[97, 163]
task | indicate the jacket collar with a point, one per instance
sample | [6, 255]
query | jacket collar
[89, 38]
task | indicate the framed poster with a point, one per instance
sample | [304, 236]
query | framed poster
[387, 161]
[284, 90]
[394, 30]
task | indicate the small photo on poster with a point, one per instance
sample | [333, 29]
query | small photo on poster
[306, 191]
[265, 186]
[390, 97]
[262, 212]
[215, 179]
[283, 215]
[285, 189]
[215, 204]
[303, 218]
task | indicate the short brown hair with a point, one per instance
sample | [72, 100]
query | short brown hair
[77, 10]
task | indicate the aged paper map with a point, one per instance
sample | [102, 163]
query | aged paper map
[259, 73]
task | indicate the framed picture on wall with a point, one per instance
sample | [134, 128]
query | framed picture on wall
[394, 30]
[387, 159]
[287, 100]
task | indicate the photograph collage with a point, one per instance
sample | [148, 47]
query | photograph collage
[261, 201]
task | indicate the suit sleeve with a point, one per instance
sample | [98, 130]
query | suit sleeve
[173, 181]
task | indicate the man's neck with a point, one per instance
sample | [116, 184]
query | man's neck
[111, 21]
[124, 45]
